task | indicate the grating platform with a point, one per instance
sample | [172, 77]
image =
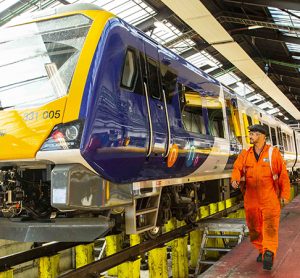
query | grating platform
[224, 224]
[241, 261]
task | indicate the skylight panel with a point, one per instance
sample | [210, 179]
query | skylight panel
[228, 78]
[293, 47]
[273, 111]
[265, 105]
[287, 19]
[243, 89]
[4, 5]
[164, 32]
[255, 98]
[132, 11]
[202, 59]
[182, 46]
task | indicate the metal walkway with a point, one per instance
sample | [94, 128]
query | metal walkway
[241, 261]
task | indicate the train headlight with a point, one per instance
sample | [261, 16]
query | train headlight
[72, 133]
[64, 137]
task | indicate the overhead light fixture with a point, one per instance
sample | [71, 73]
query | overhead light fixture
[255, 27]
[280, 114]
[286, 118]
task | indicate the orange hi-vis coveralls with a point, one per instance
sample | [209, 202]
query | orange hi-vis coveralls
[261, 201]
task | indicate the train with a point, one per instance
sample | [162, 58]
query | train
[102, 129]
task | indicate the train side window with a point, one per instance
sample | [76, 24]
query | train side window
[268, 137]
[290, 142]
[191, 110]
[129, 70]
[293, 143]
[273, 136]
[215, 117]
[169, 79]
[230, 119]
[279, 136]
[249, 120]
[153, 78]
[284, 139]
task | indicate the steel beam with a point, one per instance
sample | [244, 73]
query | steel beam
[266, 36]
[287, 4]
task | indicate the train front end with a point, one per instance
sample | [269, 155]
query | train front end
[44, 65]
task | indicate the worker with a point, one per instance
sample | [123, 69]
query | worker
[267, 188]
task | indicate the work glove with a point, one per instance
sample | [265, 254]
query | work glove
[283, 202]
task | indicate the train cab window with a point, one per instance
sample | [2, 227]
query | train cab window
[153, 78]
[273, 136]
[215, 117]
[129, 70]
[191, 110]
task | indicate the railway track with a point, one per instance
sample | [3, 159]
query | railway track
[10, 261]
[131, 253]
[100, 266]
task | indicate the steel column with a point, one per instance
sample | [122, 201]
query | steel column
[48, 266]
[157, 262]
[131, 269]
[113, 245]
[195, 243]
[180, 265]
[7, 274]
[84, 254]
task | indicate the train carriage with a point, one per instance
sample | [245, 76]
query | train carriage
[97, 118]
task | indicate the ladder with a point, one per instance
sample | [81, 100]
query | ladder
[221, 225]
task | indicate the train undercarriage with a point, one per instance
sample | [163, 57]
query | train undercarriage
[71, 203]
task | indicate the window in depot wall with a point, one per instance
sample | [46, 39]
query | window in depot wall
[191, 110]
[215, 117]
[129, 70]
[273, 136]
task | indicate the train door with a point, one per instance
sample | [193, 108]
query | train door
[234, 127]
[160, 135]
[280, 141]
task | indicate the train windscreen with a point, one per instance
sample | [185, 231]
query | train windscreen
[38, 59]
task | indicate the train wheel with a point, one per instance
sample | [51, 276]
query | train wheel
[153, 233]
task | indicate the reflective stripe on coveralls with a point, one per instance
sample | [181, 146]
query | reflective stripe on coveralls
[261, 201]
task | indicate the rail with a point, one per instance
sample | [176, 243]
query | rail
[96, 268]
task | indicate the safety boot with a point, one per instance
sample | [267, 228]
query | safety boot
[259, 258]
[268, 260]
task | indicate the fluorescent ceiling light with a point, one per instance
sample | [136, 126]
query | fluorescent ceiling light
[255, 27]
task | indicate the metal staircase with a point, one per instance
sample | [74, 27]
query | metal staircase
[222, 228]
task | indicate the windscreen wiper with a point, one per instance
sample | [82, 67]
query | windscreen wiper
[6, 107]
